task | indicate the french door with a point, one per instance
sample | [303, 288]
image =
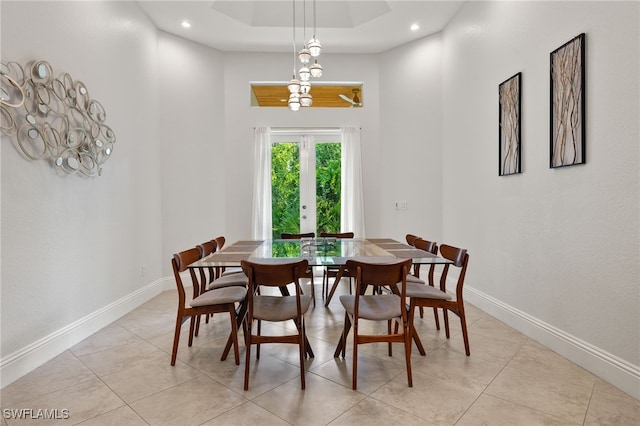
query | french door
[305, 182]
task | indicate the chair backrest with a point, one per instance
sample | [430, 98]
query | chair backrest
[337, 235]
[288, 236]
[205, 250]
[432, 248]
[381, 274]
[275, 274]
[460, 259]
[180, 262]
[220, 242]
[411, 238]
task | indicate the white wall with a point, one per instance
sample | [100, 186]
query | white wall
[192, 137]
[411, 141]
[73, 246]
[553, 252]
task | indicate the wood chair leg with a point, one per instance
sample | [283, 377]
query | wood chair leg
[445, 313]
[407, 354]
[192, 326]
[465, 335]
[414, 333]
[258, 344]
[247, 362]
[197, 326]
[234, 335]
[354, 378]
[436, 318]
[302, 350]
[390, 350]
[176, 340]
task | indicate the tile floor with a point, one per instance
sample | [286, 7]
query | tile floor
[121, 376]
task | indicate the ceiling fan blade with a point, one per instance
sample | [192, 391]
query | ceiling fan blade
[345, 98]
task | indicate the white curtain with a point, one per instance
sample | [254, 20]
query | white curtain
[352, 203]
[261, 220]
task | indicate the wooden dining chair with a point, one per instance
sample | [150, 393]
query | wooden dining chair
[438, 298]
[431, 247]
[331, 271]
[275, 308]
[309, 273]
[389, 307]
[228, 299]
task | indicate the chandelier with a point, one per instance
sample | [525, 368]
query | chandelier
[300, 86]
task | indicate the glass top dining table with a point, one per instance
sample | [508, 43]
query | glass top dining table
[318, 252]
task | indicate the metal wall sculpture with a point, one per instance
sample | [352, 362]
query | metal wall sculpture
[54, 119]
[568, 104]
[509, 132]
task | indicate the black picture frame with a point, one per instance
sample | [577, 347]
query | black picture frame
[509, 126]
[568, 104]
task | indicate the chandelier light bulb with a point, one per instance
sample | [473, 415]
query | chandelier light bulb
[306, 100]
[294, 102]
[316, 70]
[314, 47]
[304, 55]
[304, 73]
[305, 87]
[294, 85]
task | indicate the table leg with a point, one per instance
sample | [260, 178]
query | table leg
[240, 317]
[341, 348]
[335, 285]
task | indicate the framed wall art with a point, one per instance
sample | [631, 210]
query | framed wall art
[568, 124]
[509, 133]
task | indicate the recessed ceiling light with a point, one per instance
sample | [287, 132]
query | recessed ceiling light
[186, 24]
[415, 27]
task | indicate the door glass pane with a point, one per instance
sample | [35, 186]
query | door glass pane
[285, 188]
[328, 170]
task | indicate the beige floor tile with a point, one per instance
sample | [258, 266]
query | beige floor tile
[190, 403]
[117, 358]
[137, 382]
[123, 416]
[83, 401]
[373, 412]
[247, 414]
[557, 398]
[61, 372]
[264, 374]
[537, 359]
[467, 371]
[494, 329]
[447, 401]
[148, 323]
[321, 401]
[488, 410]
[109, 337]
[373, 371]
[602, 386]
[612, 408]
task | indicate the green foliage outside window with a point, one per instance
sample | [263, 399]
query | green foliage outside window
[285, 187]
[328, 170]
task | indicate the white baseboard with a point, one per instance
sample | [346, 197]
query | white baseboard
[608, 367]
[21, 362]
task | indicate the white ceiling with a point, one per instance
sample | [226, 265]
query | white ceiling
[356, 26]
